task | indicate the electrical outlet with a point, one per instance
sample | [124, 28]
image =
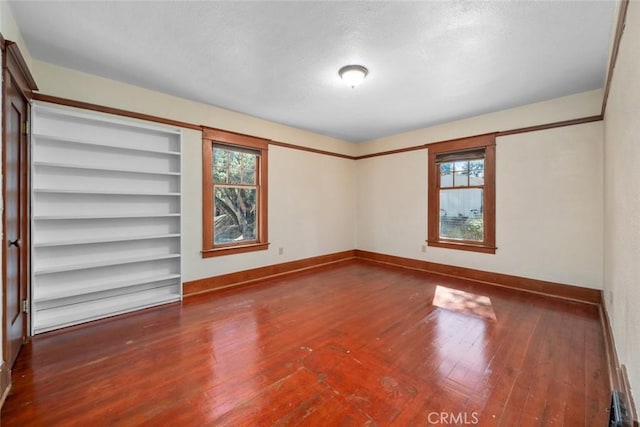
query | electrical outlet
[280, 251]
[424, 248]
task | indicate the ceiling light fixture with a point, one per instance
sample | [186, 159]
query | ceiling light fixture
[353, 75]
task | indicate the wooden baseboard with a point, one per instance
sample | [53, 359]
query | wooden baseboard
[5, 382]
[557, 290]
[209, 284]
[618, 379]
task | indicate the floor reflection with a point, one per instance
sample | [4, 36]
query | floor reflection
[464, 302]
[460, 345]
[229, 367]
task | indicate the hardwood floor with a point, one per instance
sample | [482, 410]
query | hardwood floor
[351, 344]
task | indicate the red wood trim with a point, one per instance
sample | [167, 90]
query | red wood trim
[236, 249]
[229, 137]
[433, 194]
[170, 122]
[16, 73]
[557, 290]
[14, 63]
[622, 17]
[457, 144]
[631, 406]
[490, 198]
[462, 246]
[207, 198]
[397, 151]
[11, 48]
[263, 193]
[209, 136]
[311, 150]
[126, 113]
[5, 382]
[618, 379]
[610, 349]
[111, 110]
[563, 123]
[433, 200]
[209, 284]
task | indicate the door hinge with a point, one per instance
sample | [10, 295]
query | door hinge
[25, 127]
[25, 306]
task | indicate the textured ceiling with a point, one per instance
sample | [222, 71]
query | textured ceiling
[429, 62]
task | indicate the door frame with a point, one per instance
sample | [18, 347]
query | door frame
[15, 67]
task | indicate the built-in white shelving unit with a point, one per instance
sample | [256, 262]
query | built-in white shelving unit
[106, 216]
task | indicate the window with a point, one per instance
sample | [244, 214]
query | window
[462, 194]
[234, 173]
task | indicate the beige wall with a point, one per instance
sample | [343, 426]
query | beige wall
[311, 196]
[569, 107]
[67, 83]
[548, 191]
[311, 210]
[303, 185]
[10, 31]
[622, 199]
[549, 207]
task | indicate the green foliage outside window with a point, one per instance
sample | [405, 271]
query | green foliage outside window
[235, 195]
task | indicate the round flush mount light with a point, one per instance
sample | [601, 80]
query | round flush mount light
[353, 75]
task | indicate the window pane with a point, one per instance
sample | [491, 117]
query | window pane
[234, 167]
[220, 175]
[220, 164]
[446, 175]
[461, 166]
[235, 176]
[476, 164]
[476, 177]
[476, 172]
[461, 179]
[249, 176]
[249, 169]
[461, 214]
[234, 214]
[220, 157]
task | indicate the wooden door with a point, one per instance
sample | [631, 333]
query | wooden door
[17, 87]
[16, 219]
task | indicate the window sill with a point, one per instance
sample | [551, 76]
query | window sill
[235, 249]
[462, 246]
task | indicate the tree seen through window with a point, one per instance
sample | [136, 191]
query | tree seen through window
[235, 195]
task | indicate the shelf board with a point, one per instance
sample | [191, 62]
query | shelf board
[46, 108]
[47, 320]
[61, 293]
[75, 217]
[104, 240]
[135, 267]
[101, 168]
[103, 192]
[75, 141]
[106, 263]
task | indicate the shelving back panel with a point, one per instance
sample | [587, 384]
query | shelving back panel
[106, 206]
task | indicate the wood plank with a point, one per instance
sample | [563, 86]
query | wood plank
[352, 343]
[566, 291]
[244, 277]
